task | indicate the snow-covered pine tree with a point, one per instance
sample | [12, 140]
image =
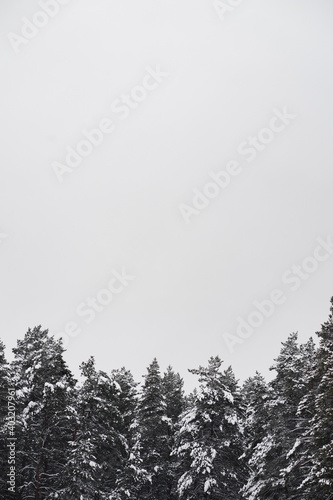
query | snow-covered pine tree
[44, 397]
[256, 396]
[131, 476]
[270, 477]
[319, 482]
[173, 390]
[153, 435]
[172, 385]
[98, 448]
[80, 478]
[127, 401]
[209, 440]
[298, 464]
[6, 424]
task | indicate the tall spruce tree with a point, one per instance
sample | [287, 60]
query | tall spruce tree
[172, 386]
[153, 432]
[256, 395]
[127, 401]
[44, 386]
[319, 480]
[131, 476]
[270, 476]
[98, 447]
[209, 441]
[173, 390]
[298, 464]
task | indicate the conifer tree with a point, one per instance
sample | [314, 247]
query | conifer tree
[319, 481]
[44, 387]
[256, 400]
[132, 478]
[172, 386]
[256, 397]
[270, 476]
[98, 447]
[298, 464]
[209, 440]
[153, 435]
[173, 390]
[127, 401]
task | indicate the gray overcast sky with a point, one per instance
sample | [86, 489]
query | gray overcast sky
[120, 207]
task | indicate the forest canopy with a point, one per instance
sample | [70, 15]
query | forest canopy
[111, 438]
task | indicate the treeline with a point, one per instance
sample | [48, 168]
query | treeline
[108, 438]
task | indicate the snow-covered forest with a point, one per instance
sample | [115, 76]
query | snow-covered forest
[112, 438]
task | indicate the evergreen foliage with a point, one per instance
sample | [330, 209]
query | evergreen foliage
[108, 439]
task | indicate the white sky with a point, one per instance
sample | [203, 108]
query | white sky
[120, 207]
